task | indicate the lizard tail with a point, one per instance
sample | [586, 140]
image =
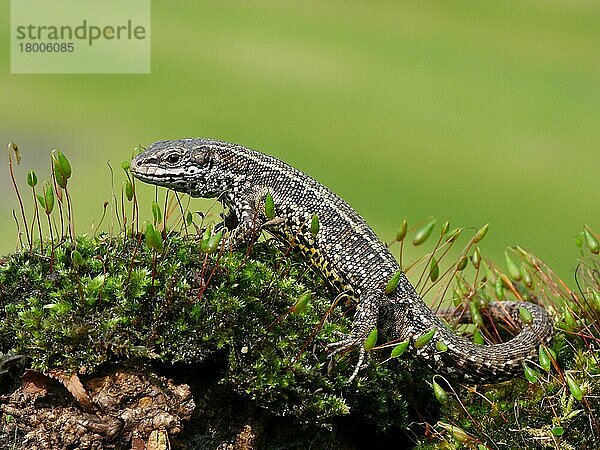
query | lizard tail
[458, 357]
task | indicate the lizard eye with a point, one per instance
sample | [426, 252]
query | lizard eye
[173, 158]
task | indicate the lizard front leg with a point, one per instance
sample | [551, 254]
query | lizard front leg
[247, 228]
[247, 211]
[229, 222]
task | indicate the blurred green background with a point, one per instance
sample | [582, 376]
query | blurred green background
[471, 111]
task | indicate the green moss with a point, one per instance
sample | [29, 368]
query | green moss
[234, 308]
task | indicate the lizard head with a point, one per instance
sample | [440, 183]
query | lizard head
[185, 165]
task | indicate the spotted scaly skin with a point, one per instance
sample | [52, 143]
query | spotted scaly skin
[345, 250]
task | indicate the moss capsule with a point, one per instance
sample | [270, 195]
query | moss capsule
[48, 203]
[128, 190]
[401, 233]
[434, 270]
[314, 225]
[530, 374]
[453, 236]
[440, 393]
[445, 228]
[476, 258]
[462, 263]
[15, 149]
[269, 206]
[513, 271]
[544, 359]
[424, 339]
[32, 178]
[205, 238]
[481, 233]
[591, 241]
[499, 289]
[212, 244]
[456, 432]
[399, 349]
[526, 276]
[575, 389]
[525, 315]
[569, 319]
[393, 283]
[301, 303]
[371, 340]
[153, 238]
[424, 232]
[61, 168]
[441, 346]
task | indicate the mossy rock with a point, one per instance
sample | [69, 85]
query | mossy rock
[105, 303]
[228, 330]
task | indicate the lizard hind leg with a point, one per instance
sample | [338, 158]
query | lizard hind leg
[365, 320]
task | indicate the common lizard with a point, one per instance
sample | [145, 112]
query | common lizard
[344, 249]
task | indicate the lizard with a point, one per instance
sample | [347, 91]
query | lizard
[344, 249]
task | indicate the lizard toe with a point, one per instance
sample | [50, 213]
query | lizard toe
[349, 342]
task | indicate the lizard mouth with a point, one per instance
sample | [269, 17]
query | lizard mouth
[150, 173]
[144, 172]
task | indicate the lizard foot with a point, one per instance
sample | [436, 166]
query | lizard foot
[348, 342]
